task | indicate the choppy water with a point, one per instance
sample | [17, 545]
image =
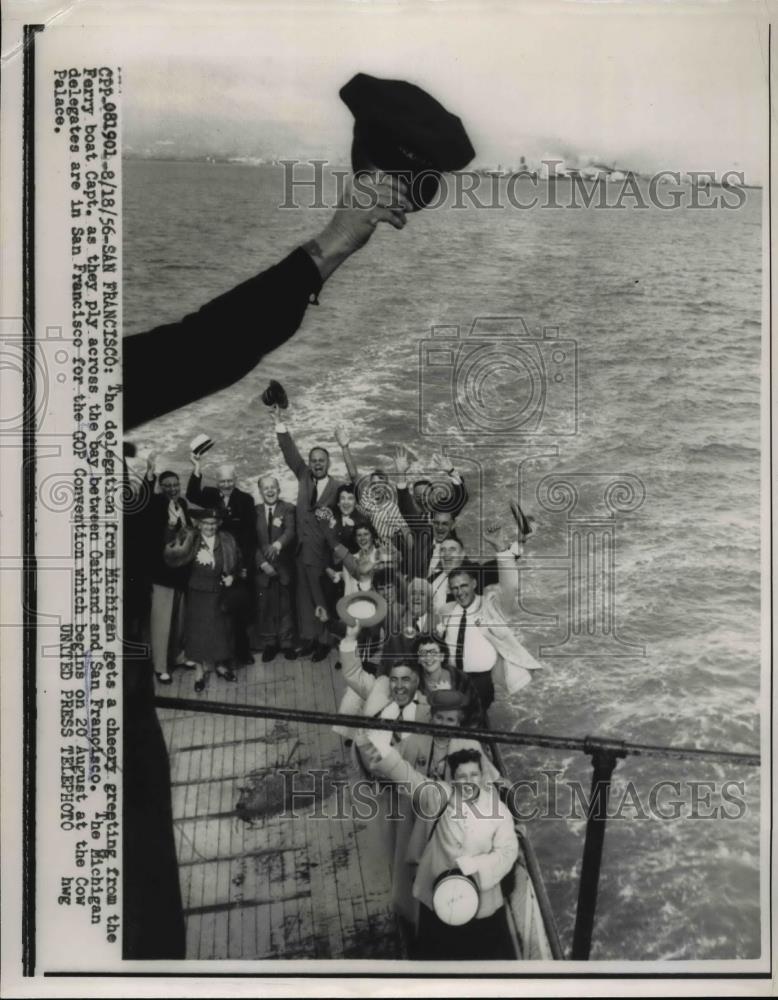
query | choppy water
[665, 308]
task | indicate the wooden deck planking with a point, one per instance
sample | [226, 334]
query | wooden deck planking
[275, 887]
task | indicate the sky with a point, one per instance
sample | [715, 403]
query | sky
[671, 85]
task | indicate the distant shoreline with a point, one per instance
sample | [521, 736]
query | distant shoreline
[251, 162]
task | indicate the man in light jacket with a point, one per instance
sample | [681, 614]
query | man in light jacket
[479, 630]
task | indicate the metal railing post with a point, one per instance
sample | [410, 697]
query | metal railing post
[603, 763]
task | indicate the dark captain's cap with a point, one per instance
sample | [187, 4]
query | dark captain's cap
[400, 128]
[275, 395]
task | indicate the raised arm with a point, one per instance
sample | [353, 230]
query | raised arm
[358, 680]
[343, 437]
[430, 795]
[405, 502]
[252, 319]
[507, 540]
[194, 488]
[289, 450]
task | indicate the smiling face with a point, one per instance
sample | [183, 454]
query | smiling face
[430, 657]
[209, 526]
[346, 503]
[442, 525]
[388, 591]
[463, 587]
[226, 483]
[171, 487]
[364, 537]
[467, 780]
[420, 493]
[318, 462]
[452, 554]
[417, 600]
[403, 682]
[379, 490]
[268, 487]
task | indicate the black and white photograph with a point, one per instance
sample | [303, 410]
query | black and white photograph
[416, 489]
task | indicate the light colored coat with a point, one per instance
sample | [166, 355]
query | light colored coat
[480, 839]
[512, 671]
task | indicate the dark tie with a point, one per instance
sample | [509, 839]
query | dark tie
[459, 658]
[269, 520]
[396, 738]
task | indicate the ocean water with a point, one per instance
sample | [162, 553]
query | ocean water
[665, 312]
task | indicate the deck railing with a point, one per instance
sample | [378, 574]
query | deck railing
[605, 754]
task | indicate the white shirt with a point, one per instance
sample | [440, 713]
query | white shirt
[479, 654]
[382, 738]
[175, 513]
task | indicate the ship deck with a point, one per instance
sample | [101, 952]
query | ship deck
[256, 882]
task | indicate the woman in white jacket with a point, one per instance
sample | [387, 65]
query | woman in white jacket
[474, 834]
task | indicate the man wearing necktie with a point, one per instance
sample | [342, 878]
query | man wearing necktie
[316, 488]
[396, 697]
[275, 570]
[430, 512]
[479, 629]
[452, 556]
[469, 644]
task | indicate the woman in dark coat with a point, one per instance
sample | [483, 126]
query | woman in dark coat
[208, 638]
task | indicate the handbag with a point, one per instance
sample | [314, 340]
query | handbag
[180, 549]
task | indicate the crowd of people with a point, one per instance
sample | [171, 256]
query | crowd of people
[225, 578]
[206, 583]
[219, 577]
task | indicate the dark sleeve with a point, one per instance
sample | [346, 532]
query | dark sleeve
[249, 520]
[194, 490]
[178, 363]
[291, 454]
[407, 505]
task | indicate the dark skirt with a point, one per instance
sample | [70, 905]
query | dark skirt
[484, 940]
[207, 629]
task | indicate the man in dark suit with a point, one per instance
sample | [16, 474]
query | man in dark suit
[430, 512]
[237, 512]
[165, 512]
[316, 488]
[276, 535]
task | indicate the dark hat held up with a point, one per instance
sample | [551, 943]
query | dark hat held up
[275, 395]
[400, 128]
